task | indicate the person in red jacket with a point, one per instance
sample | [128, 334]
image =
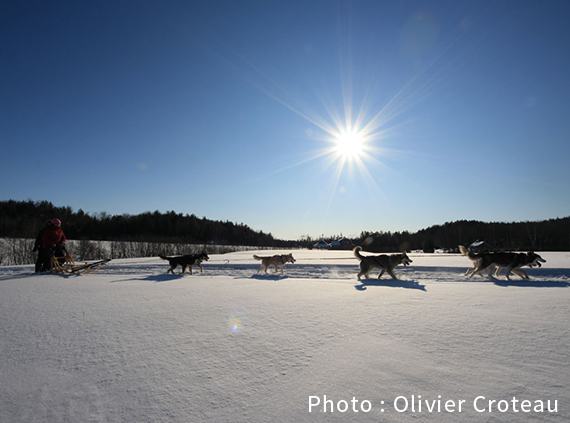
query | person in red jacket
[53, 235]
[52, 244]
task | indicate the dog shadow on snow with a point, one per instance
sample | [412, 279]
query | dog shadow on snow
[163, 277]
[530, 283]
[392, 283]
[539, 278]
[269, 276]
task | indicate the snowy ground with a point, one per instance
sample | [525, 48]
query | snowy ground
[132, 344]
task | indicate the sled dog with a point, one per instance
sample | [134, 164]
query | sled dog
[278, 261]
[188, 260]
[475, 258]
[510, 261]
[384, 262]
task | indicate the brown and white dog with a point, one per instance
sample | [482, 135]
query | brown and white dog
[278, 261]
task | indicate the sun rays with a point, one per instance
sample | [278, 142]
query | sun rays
[356, 116]
[351, 150]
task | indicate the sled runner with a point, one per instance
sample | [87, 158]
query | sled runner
[66, 265]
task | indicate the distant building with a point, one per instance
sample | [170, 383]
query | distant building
[339, 244]
[322, 245]
[335, 245]
[342, 244]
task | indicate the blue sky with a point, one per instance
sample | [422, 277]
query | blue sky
[230, 110]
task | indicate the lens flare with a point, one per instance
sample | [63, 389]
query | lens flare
[235, 324]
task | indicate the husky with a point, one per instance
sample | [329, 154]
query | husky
[510, 261]
[278, 260]
[387, 263]
[474, 257]
[188, 260]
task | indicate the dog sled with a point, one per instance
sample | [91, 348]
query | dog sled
[67, 266]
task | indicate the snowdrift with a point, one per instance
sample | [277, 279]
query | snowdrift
[133, 344]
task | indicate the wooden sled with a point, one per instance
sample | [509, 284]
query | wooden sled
[69, 267]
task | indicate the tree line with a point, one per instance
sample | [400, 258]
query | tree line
[23, 219]
[546, 235]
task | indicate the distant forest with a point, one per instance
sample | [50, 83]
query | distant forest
[23, 219]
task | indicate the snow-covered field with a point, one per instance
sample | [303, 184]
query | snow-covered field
[132, 344]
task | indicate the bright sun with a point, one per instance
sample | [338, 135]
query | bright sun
[349, 145]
